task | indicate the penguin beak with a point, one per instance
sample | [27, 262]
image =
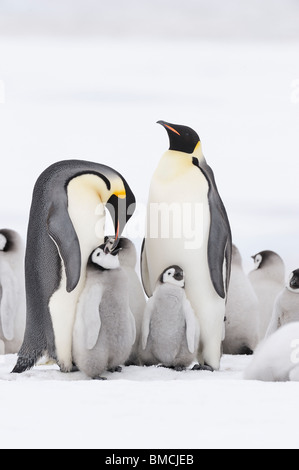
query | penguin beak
[168, 126]
[121, 210]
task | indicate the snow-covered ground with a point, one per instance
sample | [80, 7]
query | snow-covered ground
[98, 98]
[149, 408]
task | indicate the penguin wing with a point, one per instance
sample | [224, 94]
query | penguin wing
[220, 239]
[9, 301]
[62, 232]
[146, 322]
[145, 272]
[192, 327]
[88, 310]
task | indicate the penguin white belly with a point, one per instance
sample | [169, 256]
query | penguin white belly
[87, 213]
[184, 202]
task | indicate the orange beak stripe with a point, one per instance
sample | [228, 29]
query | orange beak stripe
[172, 129]
[117, 231]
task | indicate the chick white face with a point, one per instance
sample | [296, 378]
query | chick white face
[173, 275]
[293, 283]
[3, 241]
[257, 260]
[104, 260]
[109, 243]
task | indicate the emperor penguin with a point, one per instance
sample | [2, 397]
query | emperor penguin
[104, 330]
[128, 259]
[12, 292]
[242, 311]
[187, 225]
[276, 358]
[286, 307]
[170, 329]
[66, 223]
[267, 280]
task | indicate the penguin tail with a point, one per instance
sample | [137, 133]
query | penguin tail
[23, 364]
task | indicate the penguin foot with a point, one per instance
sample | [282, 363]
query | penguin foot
[115, 369]
[203, 367]
[245, 350]
[23, 364]
[176, 368]
[98, 377]
[179, 368]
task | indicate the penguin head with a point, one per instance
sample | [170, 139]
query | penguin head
[181, 138]
[127, 250]
[173, 275]
[104, 259]
[293, 284]
[3, 242]
[257, 260]
[265, 259]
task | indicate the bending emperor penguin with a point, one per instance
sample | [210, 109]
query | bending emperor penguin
[12, 292]
[104, 330]
[170, 329]
[128, 258]
[187, 225]
[242, 311]
[66, 224]
[286, 307]
[268, 280]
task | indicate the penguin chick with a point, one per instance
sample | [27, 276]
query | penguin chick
[242, 311]
[128, 259]
[276, 358]
[286, 307]
[12, 292]
[170, 329]
[104, 329]
[267, 279]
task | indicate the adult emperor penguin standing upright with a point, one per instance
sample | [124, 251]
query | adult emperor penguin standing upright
[66, 224]
[187, 225]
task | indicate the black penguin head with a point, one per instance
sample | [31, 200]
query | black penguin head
[181, 138]
[294, 281]
[173, 275]
[104, 259]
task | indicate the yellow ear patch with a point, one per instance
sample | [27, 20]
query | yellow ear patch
[120, 193]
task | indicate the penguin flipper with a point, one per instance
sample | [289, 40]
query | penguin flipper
[146, 322]
[192, 327]
[220, 239]
[8, 302]
[62, 232]
[145, 272]
[88, 310]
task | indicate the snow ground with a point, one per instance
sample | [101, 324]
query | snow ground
[150, 408]
[99, 99]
